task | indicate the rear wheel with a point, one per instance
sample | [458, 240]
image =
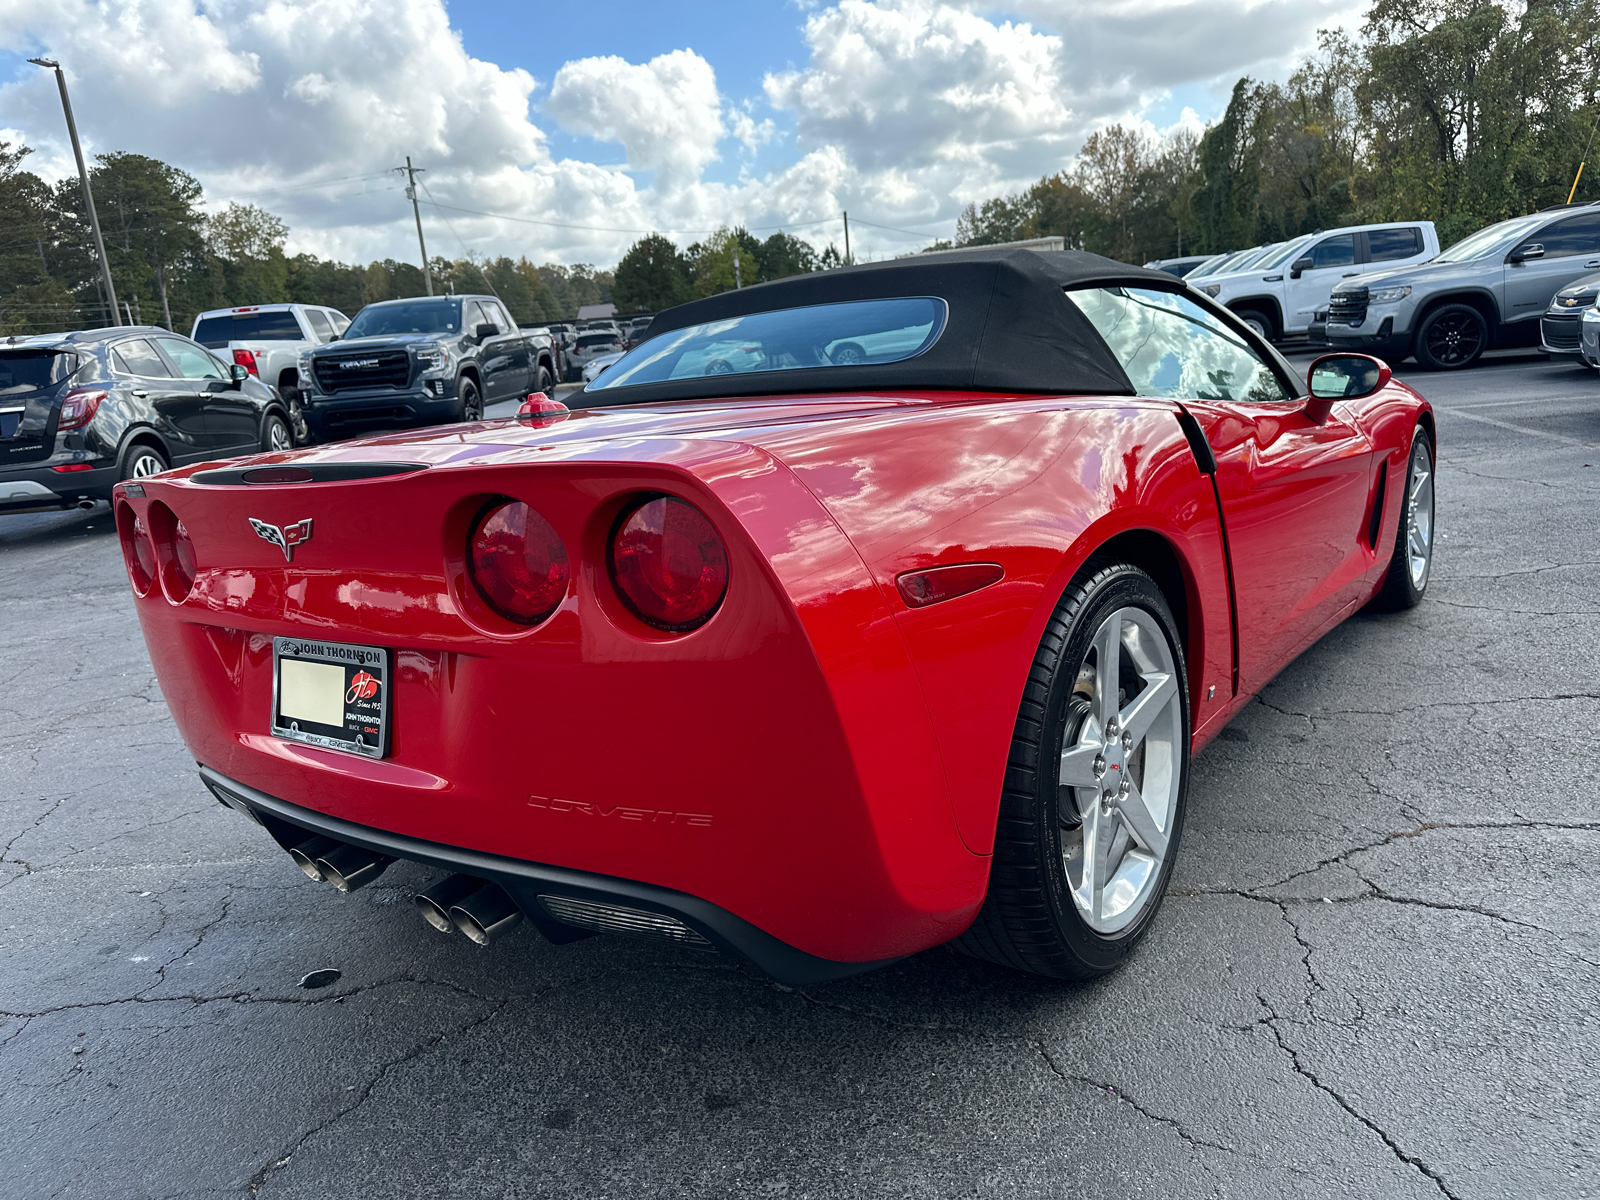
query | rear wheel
[546, 382]
[1092, 806]
[140, 460]
[471, 400]
[1452, 336]
[1411, 565]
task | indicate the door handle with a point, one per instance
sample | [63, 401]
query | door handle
[1349, 274]
[1592, 263]
[141, 395]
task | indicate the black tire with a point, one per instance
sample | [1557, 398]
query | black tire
[1259, 320]
[848, 354]
[276, 436]
[471, 400]
[1029, 920]
[139, 459]
[546, 382]
[1402, 588]
[1451, 337]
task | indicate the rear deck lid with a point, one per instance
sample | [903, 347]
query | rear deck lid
[33, 381]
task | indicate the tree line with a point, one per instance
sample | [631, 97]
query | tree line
[1463, 113]
[170, 260]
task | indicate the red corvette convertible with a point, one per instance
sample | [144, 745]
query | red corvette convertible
[855, 613]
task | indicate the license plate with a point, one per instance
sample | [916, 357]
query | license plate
[331, 694]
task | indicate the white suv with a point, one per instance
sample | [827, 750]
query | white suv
[1279, 293]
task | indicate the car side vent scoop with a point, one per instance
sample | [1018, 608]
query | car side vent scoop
[922, 588]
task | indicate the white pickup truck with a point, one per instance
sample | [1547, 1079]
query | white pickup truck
[267, 341]
[1279, 293]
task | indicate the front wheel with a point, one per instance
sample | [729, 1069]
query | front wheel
[1092, 805]
[1411, 564]
[1259, 321]
[275, 436]
[1451, 337]
[471, 400]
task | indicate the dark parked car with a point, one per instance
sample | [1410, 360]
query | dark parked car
[80, 411]
[428, 360]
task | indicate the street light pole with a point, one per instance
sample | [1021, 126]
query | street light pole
[411, 193]
[83, 176]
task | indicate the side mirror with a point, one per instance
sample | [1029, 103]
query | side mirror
[1335, 377]
[486, 331]
[238, 374]
[1301, 265]
[1522, 253]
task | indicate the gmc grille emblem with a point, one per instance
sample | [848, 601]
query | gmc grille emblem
[355, 364]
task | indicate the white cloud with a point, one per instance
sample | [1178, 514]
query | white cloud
[903, 111]
[667, 112]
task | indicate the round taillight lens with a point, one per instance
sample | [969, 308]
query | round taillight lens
[184, 567]
[518, 563]
[669, 564]
[137, 550]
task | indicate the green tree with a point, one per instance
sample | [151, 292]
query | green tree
[247, 242]
[652, 276]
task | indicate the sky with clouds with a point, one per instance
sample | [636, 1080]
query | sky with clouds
[563, 131]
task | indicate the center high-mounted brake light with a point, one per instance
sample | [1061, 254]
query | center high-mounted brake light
[78, 408]
[517, 563]
[668, 564]
[247, 360]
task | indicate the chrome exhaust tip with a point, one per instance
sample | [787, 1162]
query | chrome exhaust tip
[486, 914]
[350, 867]
[305, 856]
[86, 505]
[435, 903]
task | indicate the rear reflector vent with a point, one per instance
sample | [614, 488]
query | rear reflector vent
[325, 472]
[613, 918]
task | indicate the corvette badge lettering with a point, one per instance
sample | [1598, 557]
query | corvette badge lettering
[286, 538]
[621, 812]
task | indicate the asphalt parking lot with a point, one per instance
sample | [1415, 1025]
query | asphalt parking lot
[1377, 974]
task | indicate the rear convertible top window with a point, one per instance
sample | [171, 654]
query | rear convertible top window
[851, 334]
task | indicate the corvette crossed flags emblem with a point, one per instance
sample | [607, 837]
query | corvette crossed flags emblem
[285, 539]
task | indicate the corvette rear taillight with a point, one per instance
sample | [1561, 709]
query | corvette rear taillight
[78, 408]
[247, 360]
[137, 550]
[668, 564]
[184, 567]
[517, 562]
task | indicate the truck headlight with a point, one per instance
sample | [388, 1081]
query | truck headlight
[1388, 295]
[432, 358]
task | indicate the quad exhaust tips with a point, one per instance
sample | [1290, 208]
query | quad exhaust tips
[346, 867]
[482, 911]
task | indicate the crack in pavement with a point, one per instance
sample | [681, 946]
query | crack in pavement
[1122, 1097]
[1271, 1022]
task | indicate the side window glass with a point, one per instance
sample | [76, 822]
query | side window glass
[1575, 235]
[1385, 245]
[320, 329]
[192, 361]
[1339, 251]
[138, 357]
[1171, 347]
[340, 321]
[503, 319]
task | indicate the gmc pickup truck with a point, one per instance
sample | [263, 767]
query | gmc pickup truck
[427, 360]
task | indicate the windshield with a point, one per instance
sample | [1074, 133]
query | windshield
[406, 316]
[855, 333]
[1288, 253]
[1494, 238]
[216, 332]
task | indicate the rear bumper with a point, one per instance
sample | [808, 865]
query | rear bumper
[529, 882]
[37, 488]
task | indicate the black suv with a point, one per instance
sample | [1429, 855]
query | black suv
[80, 411]
[423, 361]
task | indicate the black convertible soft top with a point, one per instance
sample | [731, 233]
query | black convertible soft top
[1010, 329]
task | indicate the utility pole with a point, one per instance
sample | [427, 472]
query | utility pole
[83, 176]
[411, 195]
[847, 239]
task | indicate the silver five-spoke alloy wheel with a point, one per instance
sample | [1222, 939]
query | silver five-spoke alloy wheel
[278, 436]
[1121, 772]
[145, 465]
[1419, 516]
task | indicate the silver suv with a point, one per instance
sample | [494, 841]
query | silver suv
[1486, 291]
